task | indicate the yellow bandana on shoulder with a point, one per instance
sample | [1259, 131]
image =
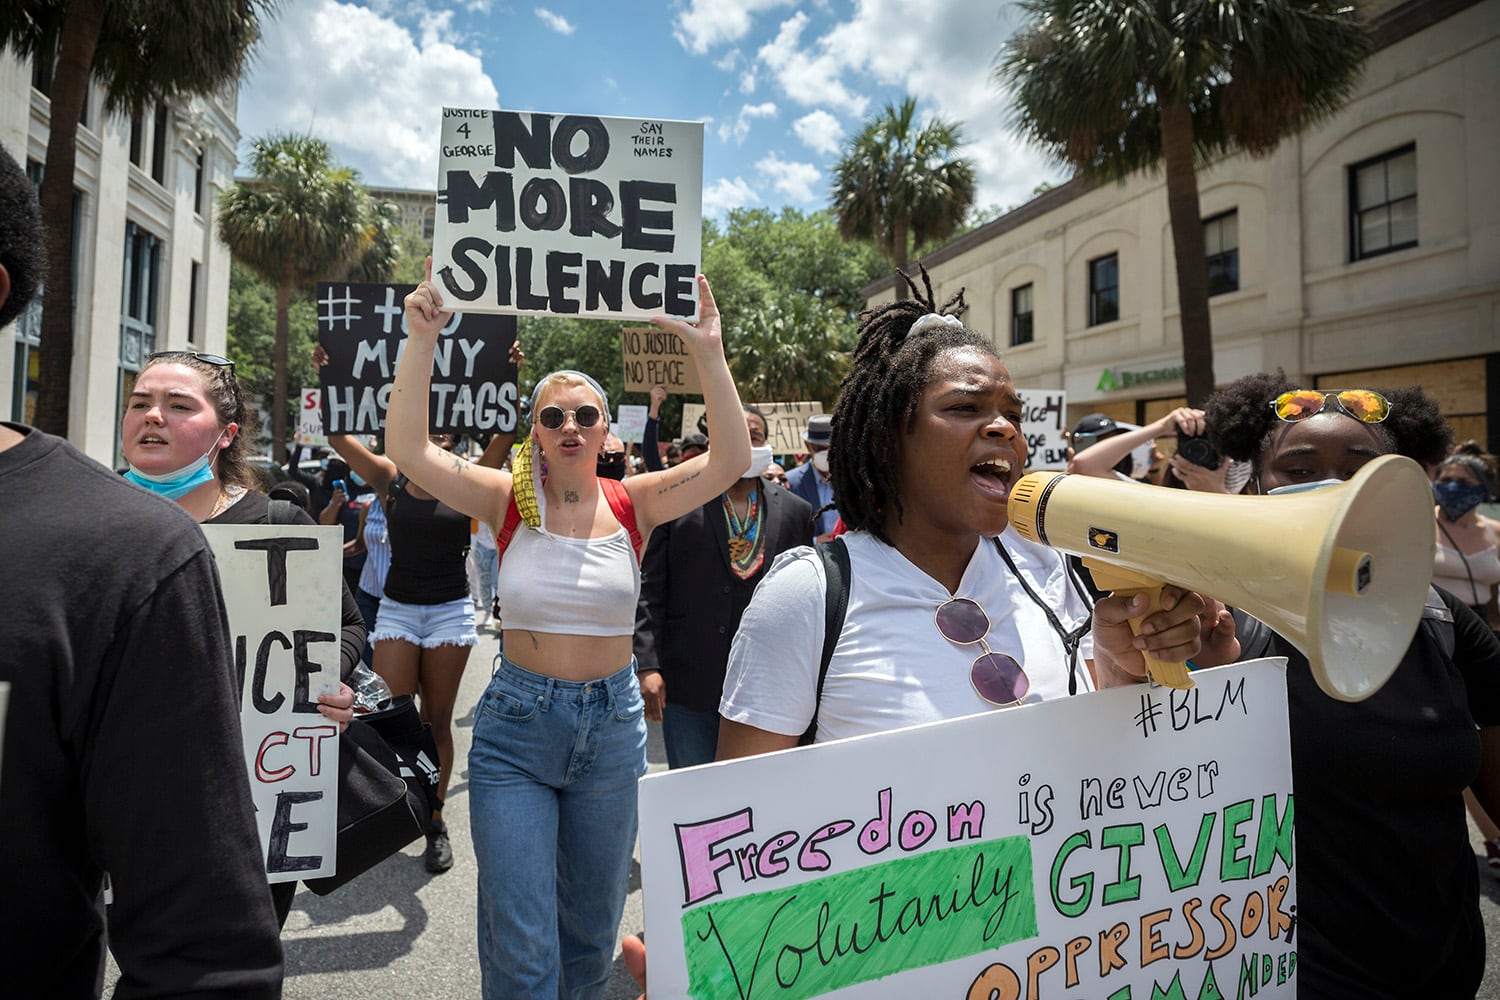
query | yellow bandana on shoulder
[524, 485]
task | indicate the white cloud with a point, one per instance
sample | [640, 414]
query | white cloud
[943, 55]
[795, 180]
[362, 82]
[747, 82]
[725, 194]
[739, 129]
[556, 22]
[811, 75]
[819, 131]
[706, 23]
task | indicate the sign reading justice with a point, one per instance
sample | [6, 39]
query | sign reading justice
[568, 215]
[281, 588]
[1129, 844]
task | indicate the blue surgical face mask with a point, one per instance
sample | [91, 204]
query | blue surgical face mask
[1456, 499]
[1304, 487]
[182, 482]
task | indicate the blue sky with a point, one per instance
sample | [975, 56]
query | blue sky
[780, 84]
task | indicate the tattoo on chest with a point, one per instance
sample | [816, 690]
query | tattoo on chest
[570, 496]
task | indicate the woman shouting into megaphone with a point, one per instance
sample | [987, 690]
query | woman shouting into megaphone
[954, 612]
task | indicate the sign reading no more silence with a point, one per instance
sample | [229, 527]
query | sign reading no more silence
[568, 215]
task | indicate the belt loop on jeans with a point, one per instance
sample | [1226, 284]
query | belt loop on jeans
[547, 693]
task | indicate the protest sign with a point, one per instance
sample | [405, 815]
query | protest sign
[1044, 414]
[281, 587]
[631, 426]
[363, 330]
[568, 215]
[310, 419]
[1131, 844]
[657, 357]
[785, 423]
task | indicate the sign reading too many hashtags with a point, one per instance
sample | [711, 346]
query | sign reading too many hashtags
[362, 328]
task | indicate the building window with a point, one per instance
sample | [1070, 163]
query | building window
[1020, 315]
[192, 329]
[137, 139]
[429, 224]
[138, 310]
[1104, 289]
[159, 146]
[1383, 204]
[1221, 245]
[198, 185]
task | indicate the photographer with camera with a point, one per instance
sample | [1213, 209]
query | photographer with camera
[1100, 445]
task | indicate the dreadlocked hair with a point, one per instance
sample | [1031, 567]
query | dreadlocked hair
[878, 399]
[1241, 421]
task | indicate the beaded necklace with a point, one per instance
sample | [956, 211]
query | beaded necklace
[746, 552]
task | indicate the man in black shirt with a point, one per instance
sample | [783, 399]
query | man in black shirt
[120, 731]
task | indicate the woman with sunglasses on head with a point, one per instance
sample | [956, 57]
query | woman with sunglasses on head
[1387, 894]
[950, 613]
[181, 435]
[560, 734]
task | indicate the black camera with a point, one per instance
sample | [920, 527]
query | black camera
[1199, 450]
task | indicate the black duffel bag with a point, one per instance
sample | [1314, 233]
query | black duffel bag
[388, 774]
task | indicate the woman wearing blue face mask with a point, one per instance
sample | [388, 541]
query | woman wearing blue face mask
[1386, 882]
[1468, 543]
[181, 435]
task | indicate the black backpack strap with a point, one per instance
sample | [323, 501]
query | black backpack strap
[835, 556]
[279, 512]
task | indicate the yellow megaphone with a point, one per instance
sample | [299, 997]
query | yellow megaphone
[1341, 572]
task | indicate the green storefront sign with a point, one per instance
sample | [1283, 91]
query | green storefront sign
[1110, 380]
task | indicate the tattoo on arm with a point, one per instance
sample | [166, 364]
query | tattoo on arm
[570, 496]
[459, 464]
[681, 482]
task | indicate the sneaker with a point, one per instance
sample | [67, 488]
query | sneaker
[1492, 855]
[439, 854]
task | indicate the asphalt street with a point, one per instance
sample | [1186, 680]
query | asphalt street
[399, 932]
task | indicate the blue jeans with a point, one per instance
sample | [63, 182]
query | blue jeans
[552, 799]
[691, 737]
[486, 566]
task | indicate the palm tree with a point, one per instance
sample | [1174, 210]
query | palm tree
[795, 347]
[901, 186]
[140, 52]
[302, 219]
[1115, 86]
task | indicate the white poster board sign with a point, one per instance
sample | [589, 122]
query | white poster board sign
[310, 419]
[568, 215]
[281, 587]
[785, 423]
[631, 426]
[1134, 843]
[1044, 415]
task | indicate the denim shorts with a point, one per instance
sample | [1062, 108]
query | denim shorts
[426, 625]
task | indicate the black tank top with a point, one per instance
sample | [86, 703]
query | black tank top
[429, 541]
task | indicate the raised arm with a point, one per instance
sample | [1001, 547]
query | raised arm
[472, 489]
[667, 495]
[377, 470]
[1101, 459]
[650, 437]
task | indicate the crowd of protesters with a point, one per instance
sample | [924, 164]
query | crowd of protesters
[630, 588]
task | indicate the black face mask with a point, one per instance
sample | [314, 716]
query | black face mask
[610, 466]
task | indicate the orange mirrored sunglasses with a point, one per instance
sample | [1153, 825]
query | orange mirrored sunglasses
[1361, 404]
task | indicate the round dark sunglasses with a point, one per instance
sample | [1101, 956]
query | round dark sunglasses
[998, 678]
[553, 417]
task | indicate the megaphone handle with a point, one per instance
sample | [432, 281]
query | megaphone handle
[1128, 583]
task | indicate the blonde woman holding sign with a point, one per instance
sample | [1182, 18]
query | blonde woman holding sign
[560, 734]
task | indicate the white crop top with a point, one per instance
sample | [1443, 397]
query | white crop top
[569, 586]
[1450, 572]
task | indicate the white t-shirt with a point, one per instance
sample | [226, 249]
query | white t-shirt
[891, 666]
